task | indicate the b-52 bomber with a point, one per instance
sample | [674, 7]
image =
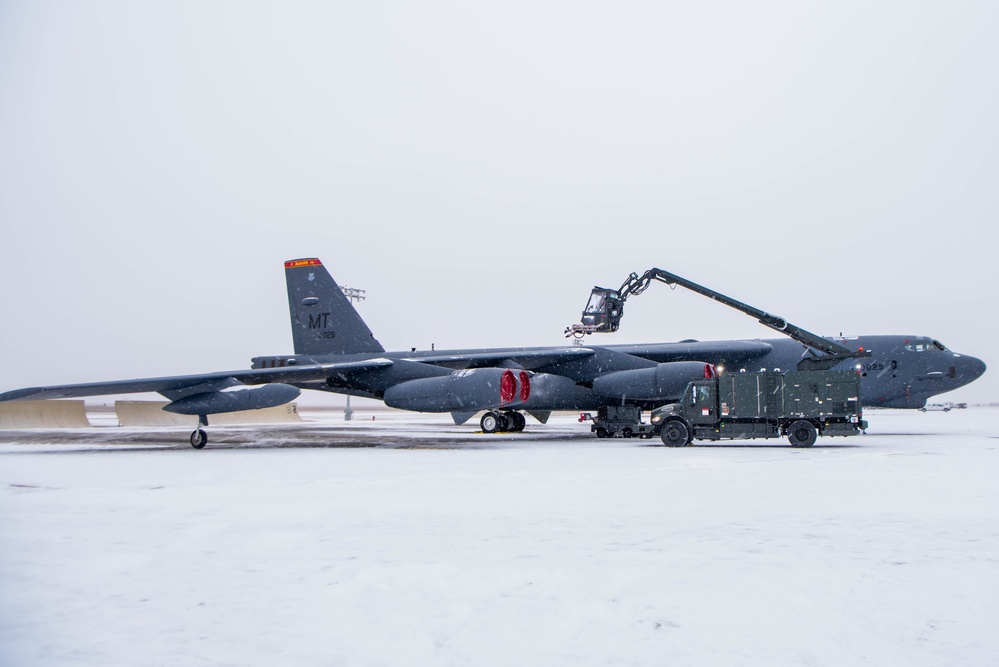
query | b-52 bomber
[335, 351]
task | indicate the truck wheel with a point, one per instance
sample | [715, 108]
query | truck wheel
[674, 434]
[801, 434]
[602, 433]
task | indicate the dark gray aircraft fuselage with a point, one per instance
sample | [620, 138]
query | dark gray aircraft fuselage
[902, 371]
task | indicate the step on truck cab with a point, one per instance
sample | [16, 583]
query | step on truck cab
[800, 405]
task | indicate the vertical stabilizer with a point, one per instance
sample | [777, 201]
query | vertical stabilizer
[323, 321]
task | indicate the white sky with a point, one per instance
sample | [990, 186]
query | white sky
[478, 169]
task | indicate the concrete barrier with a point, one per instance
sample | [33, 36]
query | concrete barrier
[151, 413]
[43, 414]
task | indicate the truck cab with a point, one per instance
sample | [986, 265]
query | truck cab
[700, 402]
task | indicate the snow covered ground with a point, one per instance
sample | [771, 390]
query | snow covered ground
[419, 543]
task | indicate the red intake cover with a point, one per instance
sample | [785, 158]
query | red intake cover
[508, 387]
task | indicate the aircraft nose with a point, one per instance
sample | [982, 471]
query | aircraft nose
[972, 368]
[965, 369]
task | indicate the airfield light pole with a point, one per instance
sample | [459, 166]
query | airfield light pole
[353, 294]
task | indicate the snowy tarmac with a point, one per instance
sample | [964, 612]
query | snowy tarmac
[409, 541]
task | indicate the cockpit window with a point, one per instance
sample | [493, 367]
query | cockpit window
[924, 344]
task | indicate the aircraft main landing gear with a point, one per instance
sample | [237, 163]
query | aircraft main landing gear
[199, 438]
[509, 421]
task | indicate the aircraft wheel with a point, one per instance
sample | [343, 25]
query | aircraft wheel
[626, 433]
[675, 434]
[802, 434]
[504, 423]
[518, 420]
[490, 422]
[199, 439]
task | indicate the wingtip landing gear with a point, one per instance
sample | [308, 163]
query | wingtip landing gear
[199, 438]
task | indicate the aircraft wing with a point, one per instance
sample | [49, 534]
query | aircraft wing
[719, 351]
[184, 385]
[525, 357]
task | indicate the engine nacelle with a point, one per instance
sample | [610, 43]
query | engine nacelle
[665, 381]
[474, 389]
[234, 400]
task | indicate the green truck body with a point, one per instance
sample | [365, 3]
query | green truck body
[800, 405]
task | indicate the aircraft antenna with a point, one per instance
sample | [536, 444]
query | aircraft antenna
[353, 294]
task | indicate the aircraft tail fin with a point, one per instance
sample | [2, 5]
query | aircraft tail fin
[323, 321]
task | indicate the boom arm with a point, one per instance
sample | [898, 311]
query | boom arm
[606, 315]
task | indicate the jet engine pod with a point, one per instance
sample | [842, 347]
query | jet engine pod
[665, 381]
[475, 389]
[234, 400]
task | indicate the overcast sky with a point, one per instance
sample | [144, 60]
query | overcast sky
[478, 167]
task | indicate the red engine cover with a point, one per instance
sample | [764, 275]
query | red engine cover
[508, 388]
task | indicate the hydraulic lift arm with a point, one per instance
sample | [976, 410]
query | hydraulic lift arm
[606, 307]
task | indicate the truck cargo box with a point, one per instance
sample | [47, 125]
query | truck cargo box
[801, 394]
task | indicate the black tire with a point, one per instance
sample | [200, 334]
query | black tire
[626, 433]
[490, 422]
[519, 421]
[504, 422]
[674, 433]
[602, 433]
[802, 434]
[199, 439]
